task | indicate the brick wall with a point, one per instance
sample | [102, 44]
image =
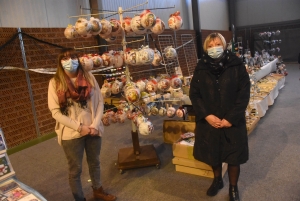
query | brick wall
[17, 118]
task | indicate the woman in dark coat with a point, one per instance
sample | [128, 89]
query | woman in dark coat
[219, 92]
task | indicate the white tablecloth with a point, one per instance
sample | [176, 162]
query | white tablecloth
[266, 69]
[261, 106]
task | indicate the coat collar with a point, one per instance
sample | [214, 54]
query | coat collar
[228, 59]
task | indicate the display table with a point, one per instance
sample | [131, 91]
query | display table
[261, 104]
[266, 69]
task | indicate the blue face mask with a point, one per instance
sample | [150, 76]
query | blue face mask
[70, 65]
[215, 52]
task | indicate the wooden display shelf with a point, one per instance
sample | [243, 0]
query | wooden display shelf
[137, 156]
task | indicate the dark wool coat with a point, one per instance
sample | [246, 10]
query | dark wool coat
[226, 96]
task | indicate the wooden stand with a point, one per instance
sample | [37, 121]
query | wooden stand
[137, 156]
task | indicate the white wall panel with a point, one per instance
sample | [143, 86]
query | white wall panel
[39, 13]
[214, 14]
[253, 12]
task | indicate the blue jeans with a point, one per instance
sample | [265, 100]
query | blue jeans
[74, 150]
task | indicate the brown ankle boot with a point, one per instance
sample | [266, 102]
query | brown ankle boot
[100, 194]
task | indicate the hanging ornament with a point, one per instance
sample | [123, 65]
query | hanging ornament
[176, 82]
[163, 84]
[83, 27]
[106, 28]
[159, 27]
[126, 26]
[151, 86]
[146, 128]
[171, 111]
[130, 56]
[157, 58]
[70, 32]
[97, 60]
[116, 87]
[145, 56]
[170, 52]
[141, 85]
[86, 62]
[175, 21]
[116, 27]
[180, 112]
[136, 25]
[96, 26]
[148, 19]
[162, 111]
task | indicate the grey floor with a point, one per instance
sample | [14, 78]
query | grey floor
[271, 174]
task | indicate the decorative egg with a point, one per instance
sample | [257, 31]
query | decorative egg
[121, 116]
[70, 32]
[105, 120]
[139, 119]
[96, 26]
[106, 28]
[145, 97]
[176, 82]
[162, 111]
[145, 56]
[83, 27]
[163, 84]
[132, 94]
[107, 59]
[180, 112]
[175, 21]
[148, 19]
[136, 25]
[159, 27]
[157, 58]
[170, 52]
[151, 86]
[126, 26]
[154, 111]
[146, 128]
[86, 62]
[116, 87]
[152, 96]
[131, 56]
[116, 27]
[141, 85]
[171, 111]
[97, 60]
[118, 59]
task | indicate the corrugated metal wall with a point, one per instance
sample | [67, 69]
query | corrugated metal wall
[40, 13]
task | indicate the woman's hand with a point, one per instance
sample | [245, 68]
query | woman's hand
[85, 130]
[214, 121]
[225, 123]
[94, 132]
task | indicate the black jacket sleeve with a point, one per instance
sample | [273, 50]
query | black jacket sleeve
[242, 100]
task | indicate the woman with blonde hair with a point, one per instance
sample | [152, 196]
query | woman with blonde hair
[220, 92]
[76, 104]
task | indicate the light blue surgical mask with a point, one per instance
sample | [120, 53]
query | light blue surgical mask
[70, 65]
[215, 52]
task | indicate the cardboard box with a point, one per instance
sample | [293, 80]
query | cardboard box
[183, 151]
[200, 172]
[172, 129]
[191, 163]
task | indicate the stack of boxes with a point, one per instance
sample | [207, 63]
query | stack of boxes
[184, 160]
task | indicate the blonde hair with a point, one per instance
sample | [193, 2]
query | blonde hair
[61, 83]
[211, 37]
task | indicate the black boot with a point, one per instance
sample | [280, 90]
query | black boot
[215, 186]
[234, 193]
